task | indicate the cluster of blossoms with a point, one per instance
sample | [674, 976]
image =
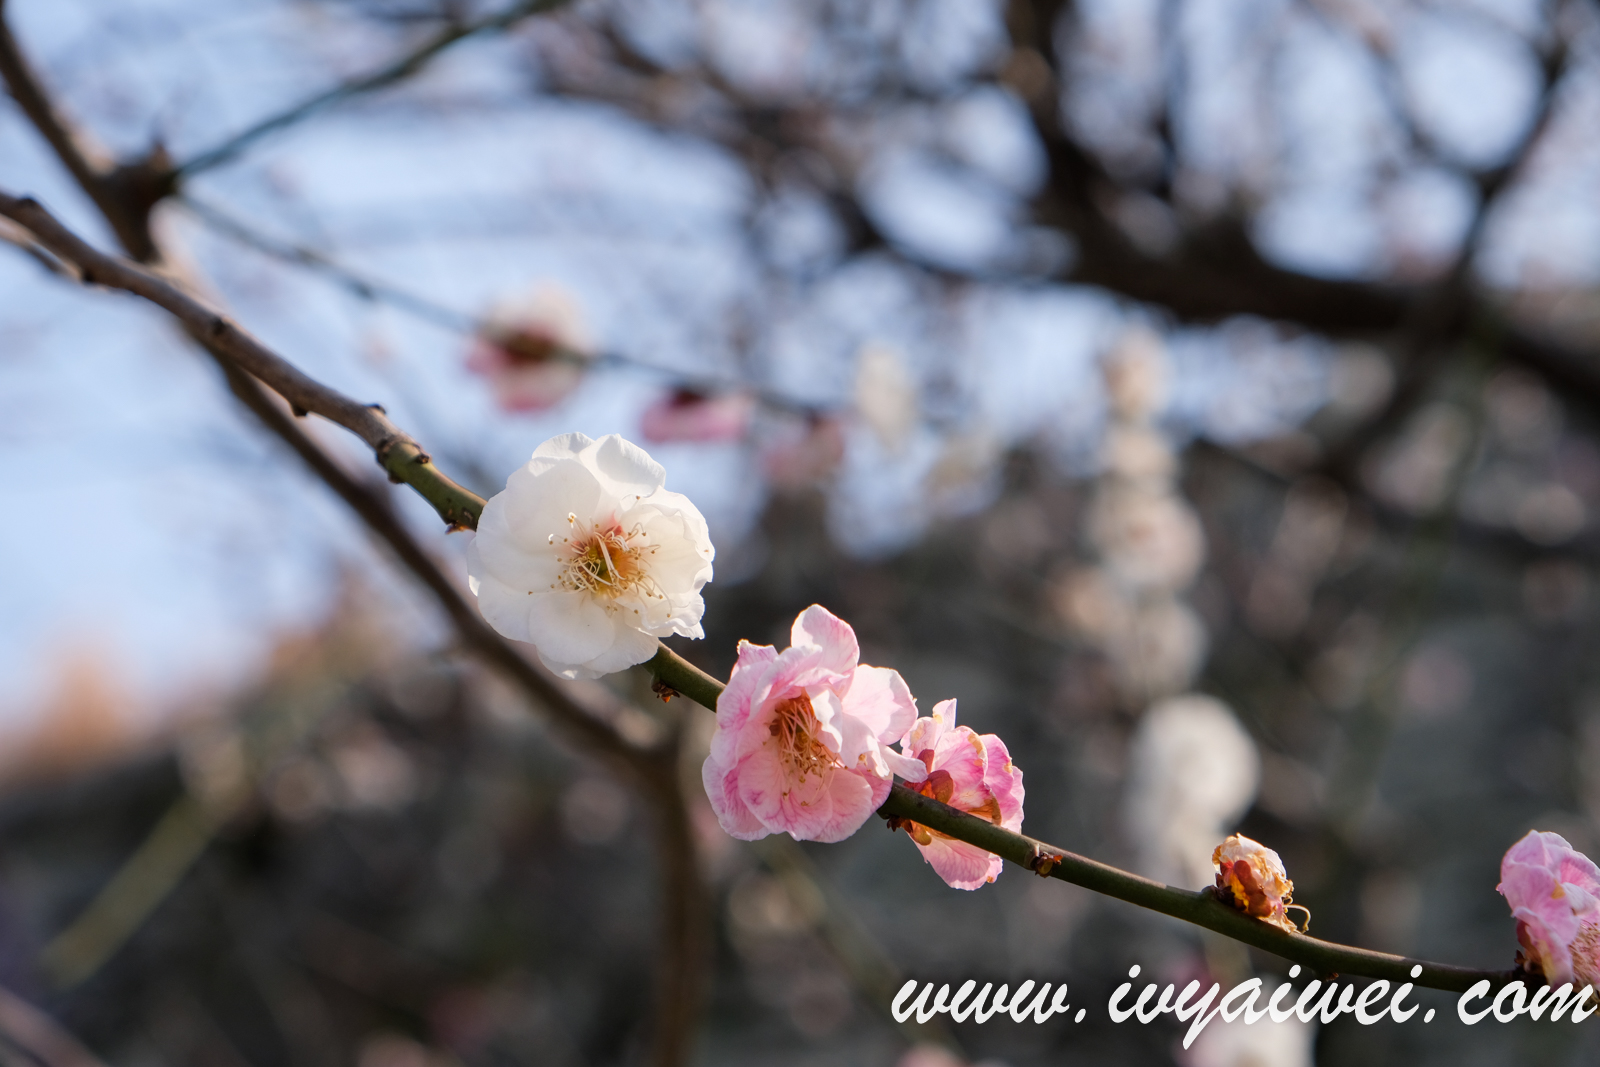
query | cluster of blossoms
[803, 742]
[1147, 539]
[588, 557]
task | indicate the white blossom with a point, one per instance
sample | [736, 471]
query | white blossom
[588, 558]
[1194, 770]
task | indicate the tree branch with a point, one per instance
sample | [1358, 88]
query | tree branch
[124, 194]
[395, 71]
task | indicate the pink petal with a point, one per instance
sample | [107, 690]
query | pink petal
[733, 814]
[1004, 780]
[961, 865]
[880, 698]
[750, 673]
[924, 734]
[820, 627]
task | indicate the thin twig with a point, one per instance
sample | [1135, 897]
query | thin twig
[426, 309]
[385, 76]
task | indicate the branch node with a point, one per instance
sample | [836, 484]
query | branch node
[1042, 862]
[299, 412]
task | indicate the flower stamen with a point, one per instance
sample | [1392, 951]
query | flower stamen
[795, 725]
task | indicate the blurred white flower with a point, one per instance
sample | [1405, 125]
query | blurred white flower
[1139, 454]
[587, 557]
[1148, 540]
[886, 395]
[1159, 651]
[1264, 1043]
[1136, 375]
[1193, 771]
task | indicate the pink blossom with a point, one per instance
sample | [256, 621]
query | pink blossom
[686, 415]
[801, 741]
[1554, 893]
[532, 350]
[969, 771]
[805, 453]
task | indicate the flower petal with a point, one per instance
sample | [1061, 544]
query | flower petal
[820, 627]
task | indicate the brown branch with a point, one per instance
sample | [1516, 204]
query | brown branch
[125, 193]
[1216, 272]
[1448, 310]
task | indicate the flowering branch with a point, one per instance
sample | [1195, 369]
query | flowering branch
[1201, 908]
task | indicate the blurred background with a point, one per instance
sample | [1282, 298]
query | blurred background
[1203, 392]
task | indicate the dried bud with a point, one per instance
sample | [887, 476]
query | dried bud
[1251, 877]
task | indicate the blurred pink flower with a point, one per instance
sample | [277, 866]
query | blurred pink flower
[968, 771]
[807, 455]
[1554, 893]
[802, 736]
[687, 415]
[1250, 876]
[533, 350]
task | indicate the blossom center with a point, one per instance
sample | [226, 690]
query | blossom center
[607, 560]
[795, 725]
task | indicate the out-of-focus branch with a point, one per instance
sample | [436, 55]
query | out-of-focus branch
[396, 451]
[1449, 308]
[395, 71]
[429, 310]
[1215, 270]
[125, 193]
[40, 1036]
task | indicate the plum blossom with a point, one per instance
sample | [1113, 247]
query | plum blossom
[1250, 876]
[689, 415]
[968, 771]
[804, 452]
[587, 556]
[802, 737]
[1554, 893]
[532, 350]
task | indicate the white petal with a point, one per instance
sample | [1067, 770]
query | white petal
[631, 646]
[520, 565]
[503, 607]
[566, 446]
[537, 505]
[569, 628]
[624, 469]
[907, 767]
